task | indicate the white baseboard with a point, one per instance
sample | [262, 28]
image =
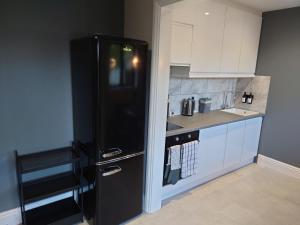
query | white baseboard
[11, 217]
[14, 217]
[278, 166]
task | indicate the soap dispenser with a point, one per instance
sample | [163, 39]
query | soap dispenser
[244, 97]
[250, 98]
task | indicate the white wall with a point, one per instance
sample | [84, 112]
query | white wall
[138, 24]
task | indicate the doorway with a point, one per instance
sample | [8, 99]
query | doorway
[160, 72]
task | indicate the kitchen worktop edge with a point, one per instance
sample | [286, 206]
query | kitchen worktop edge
[201, 121]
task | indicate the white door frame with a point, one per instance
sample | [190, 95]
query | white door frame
[160, 70]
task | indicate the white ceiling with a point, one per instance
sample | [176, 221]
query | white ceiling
[269, 5]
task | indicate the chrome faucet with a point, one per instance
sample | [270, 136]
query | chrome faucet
[225, 104]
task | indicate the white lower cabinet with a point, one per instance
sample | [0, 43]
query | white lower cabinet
[251, 138]
[212, 149]
[222, 149]
[234, 144]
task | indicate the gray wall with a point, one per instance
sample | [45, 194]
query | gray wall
[138, 19]
[35, 88]
[279, 56]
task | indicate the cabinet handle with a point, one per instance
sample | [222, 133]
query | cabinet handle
[111, 171]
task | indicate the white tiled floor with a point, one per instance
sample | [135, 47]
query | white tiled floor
[250, 196]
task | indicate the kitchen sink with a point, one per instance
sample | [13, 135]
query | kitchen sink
[240, 112]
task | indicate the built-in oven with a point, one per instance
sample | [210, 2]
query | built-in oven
[176, 142]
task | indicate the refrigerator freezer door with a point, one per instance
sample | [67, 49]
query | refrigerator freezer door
[119, 191]
[122, 97]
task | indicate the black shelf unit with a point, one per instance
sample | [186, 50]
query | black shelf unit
[89, 203]
[88, 180]
[63, 212]
[47, 159]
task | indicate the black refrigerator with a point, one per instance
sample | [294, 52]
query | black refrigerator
[109, 87]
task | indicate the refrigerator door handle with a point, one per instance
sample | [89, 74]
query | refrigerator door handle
[112, 152]
[111, 170]
[114, 160]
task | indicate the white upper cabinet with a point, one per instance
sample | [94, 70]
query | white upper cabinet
[224, 39]
[232, 42]
[184, 12]
[181, 43]
[251, 36]
[208, 37]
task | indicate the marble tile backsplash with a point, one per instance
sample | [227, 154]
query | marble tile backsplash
[221, 91]
[259, 86]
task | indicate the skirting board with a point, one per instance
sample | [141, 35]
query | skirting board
[11, 217]
[14, 217]
[278, 166]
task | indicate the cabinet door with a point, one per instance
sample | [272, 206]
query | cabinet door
[234, 143]
[249, 50]
[183, 12]
[208, 37]
[232, 40]
[119, 191]
[251, 138]
[181, 43]
[212, 150]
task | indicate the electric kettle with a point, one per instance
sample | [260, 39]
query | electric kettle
[188, 107]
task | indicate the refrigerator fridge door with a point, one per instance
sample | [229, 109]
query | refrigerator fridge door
[119, 191]
[122, 97]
